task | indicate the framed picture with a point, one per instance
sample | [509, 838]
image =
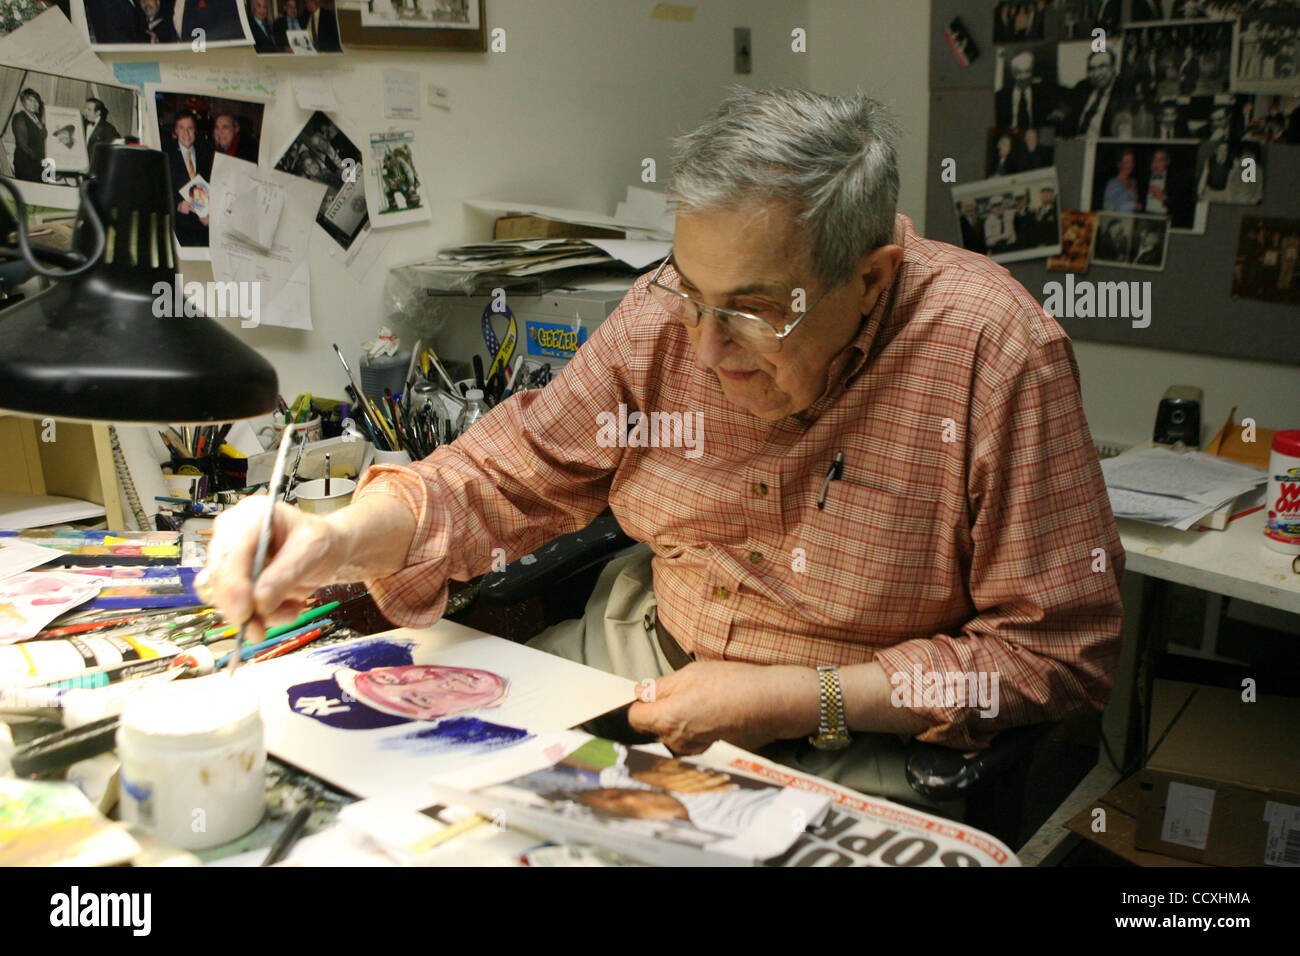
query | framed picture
[1011, 218]
[413, 25]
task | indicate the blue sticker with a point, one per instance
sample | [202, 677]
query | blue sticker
[554, 339]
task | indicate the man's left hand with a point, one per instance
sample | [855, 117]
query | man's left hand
[743, 704]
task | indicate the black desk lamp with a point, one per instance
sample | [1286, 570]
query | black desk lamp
[91, 347]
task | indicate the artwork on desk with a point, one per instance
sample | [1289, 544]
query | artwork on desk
[30, 600]
[1149, 176]
[190, 127]
[52, 124]
[1010, 218]
[1268, 261]
[159, 25]
[1077, 229]
[1131, 241]
[1266, 51]
[293, 26]
[323, 153]
[382, 712]
[83, 548]
[394, 190]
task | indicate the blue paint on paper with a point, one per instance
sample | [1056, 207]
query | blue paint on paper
[137, 74]
[366, 655]
[461, 734]
[325, 701]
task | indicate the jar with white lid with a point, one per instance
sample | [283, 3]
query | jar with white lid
[1282, 507]
[193, 761]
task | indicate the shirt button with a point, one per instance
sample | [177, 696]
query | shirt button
[720, 593]
[760, 489]
[756, 557]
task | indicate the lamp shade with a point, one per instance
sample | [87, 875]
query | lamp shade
[92, 347]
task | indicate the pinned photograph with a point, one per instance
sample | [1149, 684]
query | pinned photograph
[1014, 151]
[1131, 241]
[1145, 11]
[1268, 261]
[190, 127]
[1089, 94]
[1231, 173]
[1145, 176]
[154, 25]
[1077, 231]
[198, 195]
[1026, 92]
[1183, 58]
[1272, 119]
[1080, 17]
[425, 14]
[961, 43]
[1019, 22]
[14, 13]
[322, 153]
[394, 191]
[1266, 55]
[1011, 218]
[53, 125]
[293, 26]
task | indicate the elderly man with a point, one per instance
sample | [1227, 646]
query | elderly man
[229, 137]
[1091, 102]
[1021, 104]
[897, 486]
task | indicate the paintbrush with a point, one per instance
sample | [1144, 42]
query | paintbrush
[264, 537]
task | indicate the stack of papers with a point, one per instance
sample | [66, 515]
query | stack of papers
[1175, 489]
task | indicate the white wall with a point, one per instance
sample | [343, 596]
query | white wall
[882, 46]
[584, 91]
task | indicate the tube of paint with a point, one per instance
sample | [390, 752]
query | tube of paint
[43, 662]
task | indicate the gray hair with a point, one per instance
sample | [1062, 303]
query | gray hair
[833, 159]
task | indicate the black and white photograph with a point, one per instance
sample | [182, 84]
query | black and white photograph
[14, 13]
[1011, 218]
[1266, 51]
[421, 14]
[1167, 60]
[1130, 241]
[1232, 173]
[322, 153]
[1144, 11]
[1080, 17]
[190, 128]
[1271, 118]
[293, 26]
[1090, 96]
[53, 125]
[1014, 151]
[1025, 89]
[154, 25]
[1268, 260]
[1020, 22]
[1145, 176]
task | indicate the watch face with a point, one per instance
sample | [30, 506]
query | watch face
[830, 741]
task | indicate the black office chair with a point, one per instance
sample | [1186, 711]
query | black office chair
[560, 577]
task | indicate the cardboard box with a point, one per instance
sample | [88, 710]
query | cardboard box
[535, 227]
[1120, 809]
[1222, 780]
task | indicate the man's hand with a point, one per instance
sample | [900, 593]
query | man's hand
[747, 705]
[184, 207]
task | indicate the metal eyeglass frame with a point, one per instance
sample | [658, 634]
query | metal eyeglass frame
[729, 314]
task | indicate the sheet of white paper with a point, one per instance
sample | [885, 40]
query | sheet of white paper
[543, 693]
[52, 44]
[401, 94]
[20, 511]
[282, 275]
[17, 555]
[314, 90]
[638, 255]
[261, 81]
[255, 213]
[1198, 477]
[364, 253]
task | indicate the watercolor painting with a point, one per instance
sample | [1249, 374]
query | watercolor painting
[30, 600]
[378, 713]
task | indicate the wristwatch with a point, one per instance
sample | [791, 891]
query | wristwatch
[832, 731]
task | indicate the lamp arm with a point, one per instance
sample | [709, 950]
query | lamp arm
[75, 264]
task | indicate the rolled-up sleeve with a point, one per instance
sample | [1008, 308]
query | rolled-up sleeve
[1045, 567]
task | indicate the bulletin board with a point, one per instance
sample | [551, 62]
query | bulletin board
[1193, 309]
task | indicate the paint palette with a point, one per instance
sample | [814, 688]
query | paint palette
[82, 548]
[394, 709]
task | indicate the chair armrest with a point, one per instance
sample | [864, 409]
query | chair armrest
[942, 773]
[546, 568]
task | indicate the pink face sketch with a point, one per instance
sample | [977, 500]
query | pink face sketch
[427, 692]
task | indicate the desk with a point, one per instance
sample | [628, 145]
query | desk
[1229, 563]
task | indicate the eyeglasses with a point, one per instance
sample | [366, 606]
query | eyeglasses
[760, 331]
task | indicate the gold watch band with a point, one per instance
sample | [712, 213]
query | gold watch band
[832, 730]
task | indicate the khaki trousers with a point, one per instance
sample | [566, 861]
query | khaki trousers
[617, 634]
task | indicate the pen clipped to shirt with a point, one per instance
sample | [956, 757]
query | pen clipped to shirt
[834, 473]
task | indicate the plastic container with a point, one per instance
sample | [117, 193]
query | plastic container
[475, 408]
[1282, 507]
[193, 759]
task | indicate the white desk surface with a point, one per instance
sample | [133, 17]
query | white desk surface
[1233, 562]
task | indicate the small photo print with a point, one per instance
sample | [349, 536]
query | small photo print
[393, 187]
[1019, 22]
[154, 25]
[1131, 241]
[1232, 173]
[421, 14]
[1080, 17]
[1145, 176]
[198, 194]
[1013, 151]
[1011, 218]
[322, 153]
[293, 26]
[1268, 261]
[1184, 58]
[1272, 118]
[1266, 51]
[1077, 230]
[1026, 93]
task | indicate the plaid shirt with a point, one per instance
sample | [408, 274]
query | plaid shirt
[969, 533]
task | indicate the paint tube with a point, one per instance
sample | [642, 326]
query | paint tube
[43, 662]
